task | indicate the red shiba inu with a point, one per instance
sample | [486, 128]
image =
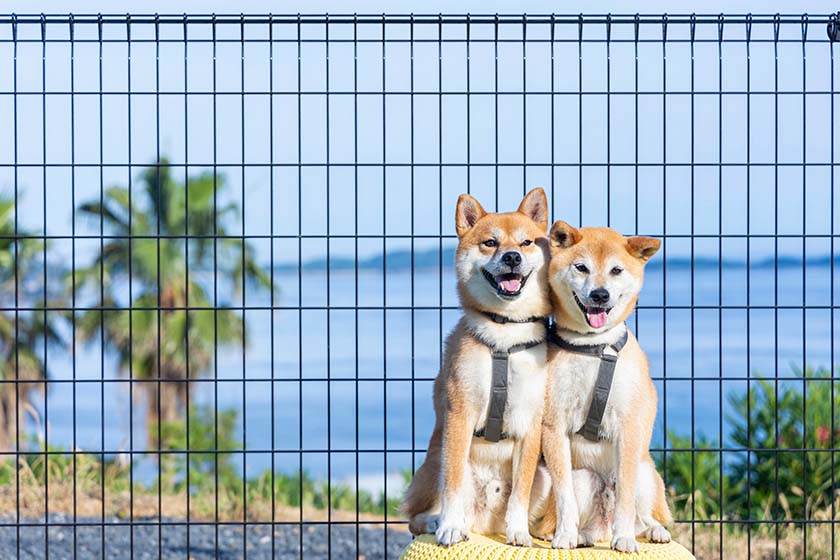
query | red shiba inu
[488, 397]
[600, 401]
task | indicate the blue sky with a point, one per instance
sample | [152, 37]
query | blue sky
[663, 204]
[431, 6]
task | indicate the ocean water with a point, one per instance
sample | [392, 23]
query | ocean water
[329, 368]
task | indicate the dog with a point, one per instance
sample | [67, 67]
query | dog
[475, 482]
[595, 276]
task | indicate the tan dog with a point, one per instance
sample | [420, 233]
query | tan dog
[476, 484]
[595, 277]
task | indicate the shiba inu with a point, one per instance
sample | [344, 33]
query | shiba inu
[600, 401]
[488, 397]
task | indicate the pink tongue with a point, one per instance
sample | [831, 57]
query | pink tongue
[511, 286]
[597, 320]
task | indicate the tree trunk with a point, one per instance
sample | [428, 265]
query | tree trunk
[171, 396]
[7, 423]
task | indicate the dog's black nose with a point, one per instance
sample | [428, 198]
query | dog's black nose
[599, 295]
[512, 258]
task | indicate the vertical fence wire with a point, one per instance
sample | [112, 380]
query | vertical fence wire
[804, 26]
[747, 209]
[664, 246]
[130, 222]
[300, 285]
[187, 279]
[356, 269]
[832, 133]
[73, 258]
[609, 122]
[16, 277]
[44, 281]
[215, 299]
[776, 272]
[580, 119]
[720, 24]
[158, 350]
[692, 31]
[243, 255]
[328, 172]
[385, 278]
[272, 302]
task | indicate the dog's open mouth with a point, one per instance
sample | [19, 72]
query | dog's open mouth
[509, 284]
[595, 316]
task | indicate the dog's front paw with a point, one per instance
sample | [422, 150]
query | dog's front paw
[564, 539]
[586, 539]
[519, 537]
[449, 534]
[624, 543]
[658, 534]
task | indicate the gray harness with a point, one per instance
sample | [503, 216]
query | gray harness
[592, 425]
[492, 430]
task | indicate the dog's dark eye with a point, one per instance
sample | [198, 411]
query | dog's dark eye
[582, 268]
[526, 243]
[616, 270]
[491, 243]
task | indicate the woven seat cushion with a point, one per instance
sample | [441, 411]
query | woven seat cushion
[494, 548]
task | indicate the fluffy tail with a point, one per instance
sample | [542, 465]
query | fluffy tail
[661, 511]
[544, 526]
[423, 493]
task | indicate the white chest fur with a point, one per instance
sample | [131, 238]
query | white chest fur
[526, 387]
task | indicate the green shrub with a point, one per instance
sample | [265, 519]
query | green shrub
[749, 486]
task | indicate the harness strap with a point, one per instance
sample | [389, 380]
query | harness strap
[492, 430]
[591, 427]
[502, 319]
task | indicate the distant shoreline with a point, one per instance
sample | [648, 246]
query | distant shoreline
[433, 259]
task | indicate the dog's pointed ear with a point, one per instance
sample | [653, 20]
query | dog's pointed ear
[643, 247]
[467, 213]
[535, 206]
[563, 235]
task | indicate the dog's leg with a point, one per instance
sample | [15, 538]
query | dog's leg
[457, 478]
[526, 455]
[558, 458]
[628, 454]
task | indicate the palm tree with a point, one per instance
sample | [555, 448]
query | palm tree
[167, 333]
[22, 333]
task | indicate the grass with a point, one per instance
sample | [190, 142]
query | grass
[85, 494]
[709, 535]
[91, 485]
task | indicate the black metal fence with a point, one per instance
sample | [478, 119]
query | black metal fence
[227, 246]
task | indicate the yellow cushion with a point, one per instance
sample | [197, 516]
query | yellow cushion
[494, 548]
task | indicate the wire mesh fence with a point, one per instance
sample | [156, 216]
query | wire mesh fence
[227, 250]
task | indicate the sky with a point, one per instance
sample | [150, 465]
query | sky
[588, 129]
[431, 6]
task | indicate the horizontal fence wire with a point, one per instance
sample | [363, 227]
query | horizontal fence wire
[228, 263]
